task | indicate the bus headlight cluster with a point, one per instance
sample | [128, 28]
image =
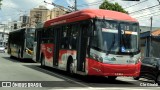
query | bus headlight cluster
[138, 60]
[29, 52]
[99, 58]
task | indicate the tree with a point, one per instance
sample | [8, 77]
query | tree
[0, 3]
[112, 6]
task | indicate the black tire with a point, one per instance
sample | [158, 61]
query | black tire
[136, 78]
[112, 77]
[158, 79]
[42, 61]
[11, 57]
[9, 52]
[70, 66]
[19, 56]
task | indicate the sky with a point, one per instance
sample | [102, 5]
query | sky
[12, 9]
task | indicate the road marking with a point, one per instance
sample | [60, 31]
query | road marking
[67, 79]
[110, 88]
[125, 79]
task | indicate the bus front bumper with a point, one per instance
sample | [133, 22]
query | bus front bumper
[101, 69]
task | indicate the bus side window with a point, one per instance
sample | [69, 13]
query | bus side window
[73, 37]
[50, 35]
[47, 35]
[94, 38]
[43, 36]
[64, 40]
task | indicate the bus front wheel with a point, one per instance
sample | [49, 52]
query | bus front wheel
[136, 78]
[158, 79]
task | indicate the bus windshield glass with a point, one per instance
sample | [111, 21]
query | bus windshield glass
[30, 38]
[129, 37]
[116, 36]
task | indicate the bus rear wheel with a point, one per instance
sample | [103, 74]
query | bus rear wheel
[19, 55]
[42, 61]
[70, 66]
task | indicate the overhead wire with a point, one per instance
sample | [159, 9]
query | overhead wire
[135, 4]
[150, 16]
[144, 9]
[100, 1]
[147, 14]
[137, 11]
[150, 10]
[93, 3]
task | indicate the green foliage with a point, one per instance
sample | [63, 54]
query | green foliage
[112, 6]
[0, 3]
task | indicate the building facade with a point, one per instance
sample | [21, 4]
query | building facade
[24, 21]
[56, 12]
[42, 14]
[38, 15]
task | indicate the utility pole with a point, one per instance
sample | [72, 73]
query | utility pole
[151, 24]
[75, 5]
[150, 37]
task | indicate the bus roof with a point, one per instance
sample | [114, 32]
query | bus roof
[87, 14]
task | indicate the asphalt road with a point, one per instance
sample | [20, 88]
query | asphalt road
[26, 74]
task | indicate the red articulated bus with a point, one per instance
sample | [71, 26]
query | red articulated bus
[90, 42]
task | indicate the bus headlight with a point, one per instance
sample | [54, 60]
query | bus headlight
[138, 60]
[98, 58]
[29, 52]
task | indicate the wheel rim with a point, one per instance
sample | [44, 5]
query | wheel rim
[18, 55]
[136, 78]
[43, 62]
[71, 68]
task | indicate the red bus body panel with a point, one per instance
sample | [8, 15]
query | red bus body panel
[66, 53]
[102, 69]
[48, 50]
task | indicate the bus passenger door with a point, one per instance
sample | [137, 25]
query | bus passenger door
[81, 48]
[37, 44]
[39, 33]
[56, 46]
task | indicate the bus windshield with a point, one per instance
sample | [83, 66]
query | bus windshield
[116, 36]
[30, 38]
[129, 37]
